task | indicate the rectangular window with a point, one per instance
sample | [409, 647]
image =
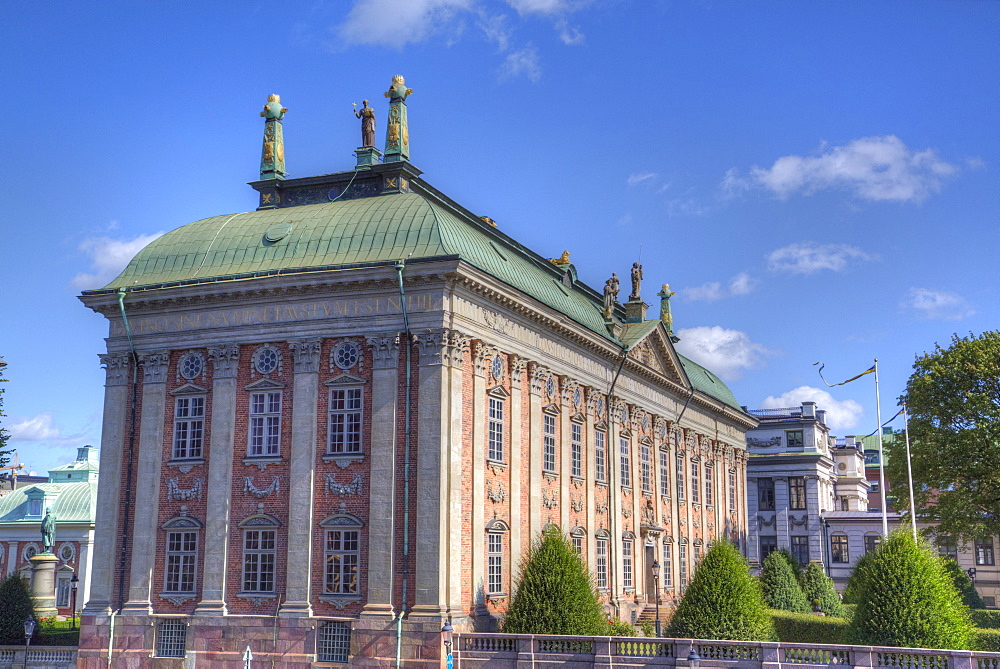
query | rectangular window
[682, 563]
[258, 560]
[345, 420]
[871, 542]
[794, 439]
[668, 565]
[695, 482]
[984, 551]
[627, 564]
[665, 473]
[576, 450]
[838, 549]
[767, 546]
[170, 638]
[947, 547]
[494, 556]
[644, 468]
[602, 564]
[626, 462]
[62, 592]
[800, 550]
[182, 555]
[697, 555]
[495, 437]
[333, 643]
[680, 477]
[189, 427]
[34, 507]
[796, 493]
[549, 443]
[341, 575]
[601, 457]
[709, 487]
[765, 494]
[265, 423]
[732, 490]
[578, 545]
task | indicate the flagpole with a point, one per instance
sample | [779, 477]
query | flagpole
[909, 472]
[881, 457]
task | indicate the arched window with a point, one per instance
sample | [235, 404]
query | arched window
[341, 558]
[496, 539]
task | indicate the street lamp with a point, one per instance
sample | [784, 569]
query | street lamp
[446, 632]
[694, 660]
[29, 629]
[656, 588]
[73, 584]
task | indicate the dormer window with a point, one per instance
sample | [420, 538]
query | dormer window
[35, 507]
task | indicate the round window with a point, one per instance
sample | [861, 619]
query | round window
[624, 415]
[577, 397]
[191, 365]
[550, 386]
[497, 367]
[266, 360]
[346, 355]
[66, 552]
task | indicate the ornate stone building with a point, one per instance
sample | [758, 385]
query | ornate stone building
[343, 416]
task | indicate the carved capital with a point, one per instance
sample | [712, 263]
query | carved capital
[385, 351]
[154, 366]
[116, 366]
[443, 347]
[305, 354]
[517, 366]
[225, 360]
[538, 375]
[483, 358]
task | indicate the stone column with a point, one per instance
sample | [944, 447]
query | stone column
[480, 407]
[146, 494]
[534, 465]
[517, 544]
[438, 476]
[565, 455]
[301, 476]
[616, 525]
[225, 361]
[589, 451]
[106, 534]
[43, 584]
[382, 482]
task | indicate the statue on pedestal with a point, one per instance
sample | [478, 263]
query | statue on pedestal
[636, 280]
[610, 295]
[367, 116]
[666, 316]
[48, 531]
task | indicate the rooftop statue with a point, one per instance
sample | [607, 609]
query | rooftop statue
[636, 280]
[666, 317]
[367, 116]
[397, 134]
[610, 295]
[272, 154]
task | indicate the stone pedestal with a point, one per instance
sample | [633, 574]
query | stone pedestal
[43, 584]
[368, 156]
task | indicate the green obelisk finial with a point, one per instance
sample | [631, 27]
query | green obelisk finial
[397, 134]
[272, 155]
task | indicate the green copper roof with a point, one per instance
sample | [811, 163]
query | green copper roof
[77, 502]
[709, 383]
[364, 230]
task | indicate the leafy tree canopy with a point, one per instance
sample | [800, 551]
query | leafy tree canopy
[555, 593]
[723, 601]
[963, 584]
[953, 400]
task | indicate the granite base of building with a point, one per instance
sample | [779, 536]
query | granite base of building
[221, 642]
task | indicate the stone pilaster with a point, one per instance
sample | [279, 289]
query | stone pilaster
[535, 381]
[437, 590]
[145, 526]
[517, 541]
[116, 402]
[565, 456]
[483, 356]
[225, 362]
[616, 525]
[382, 482]
[589, 451]
[301, 472]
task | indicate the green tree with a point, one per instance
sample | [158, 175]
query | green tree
[16, 604]
[780, 587]
[909, 600]
[555, 593]
[793, 563]
[855, 585]
[953, 400]
[819, 587]
[723, 601]
[964, 585]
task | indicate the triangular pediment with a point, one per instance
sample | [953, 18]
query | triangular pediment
[189, 389]
[498, 391]
[265, 384]
[578, 417]
[654, 349]
[551, 408]
[346, 380]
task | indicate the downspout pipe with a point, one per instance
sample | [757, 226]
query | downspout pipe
[611, 521]
[408, 346]
[127, 503]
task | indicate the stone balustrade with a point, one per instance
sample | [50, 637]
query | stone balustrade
[39, 657]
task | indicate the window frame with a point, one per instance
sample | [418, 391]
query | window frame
[765, 494]
[695, 471]
[600, 456]
[628, 564]
[798, 495]
[265, 560]
[871, 542]
[680, 471]
[767, 543]
[709, 484]
[264, 421]
[350, 436]
[667, 558]
[186, 425]
[795, 439]
[798, 545]
[664, 458]
[576, 450]
[548, 443]
[180, 561]
[645, 468]
[985, 555]
[601, 562]
[496, 409]
[840, 552]
[625, 461]
[733, 487]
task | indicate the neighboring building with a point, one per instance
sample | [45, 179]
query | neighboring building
[358, 404]
[70, 491]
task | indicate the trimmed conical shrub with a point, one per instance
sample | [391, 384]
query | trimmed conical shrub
[854, 588]
[792, 562]
[818, 587]
[15, 607]
[908, 599]
[555, 593]
[780, 587]
[964, 585]
[723, 601]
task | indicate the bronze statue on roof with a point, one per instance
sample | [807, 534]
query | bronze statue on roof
[367, 116]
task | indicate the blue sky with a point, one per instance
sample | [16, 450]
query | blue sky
[815, 180]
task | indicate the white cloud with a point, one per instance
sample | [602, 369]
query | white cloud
[639, 177]
[810, 257]
[724, 352]
[570, 35]
[544, 6]
[39, 428]
[871, 168]
[399, 22]
[108, 257]
[840, 414]
[496, 30]
[936, 304]
[522, 62]
[741, 284]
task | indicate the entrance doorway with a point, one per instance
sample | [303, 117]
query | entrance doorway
[650, 583]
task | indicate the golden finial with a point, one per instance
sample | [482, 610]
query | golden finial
[488, 221]
[561, 260]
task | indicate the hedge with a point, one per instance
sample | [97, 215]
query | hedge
[809, 628]
[987, 619]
